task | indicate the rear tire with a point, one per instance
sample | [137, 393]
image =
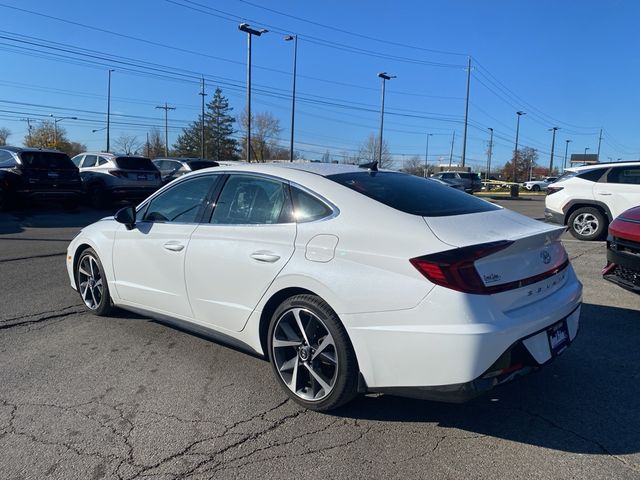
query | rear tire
[587, 223]
[311, 354]
[92, 283]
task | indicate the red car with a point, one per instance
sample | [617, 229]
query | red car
[623, 250]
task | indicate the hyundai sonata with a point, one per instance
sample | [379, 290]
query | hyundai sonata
[348, 279]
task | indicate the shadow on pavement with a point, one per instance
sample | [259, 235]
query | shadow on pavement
[586, 401]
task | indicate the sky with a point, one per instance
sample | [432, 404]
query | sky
[567, 64]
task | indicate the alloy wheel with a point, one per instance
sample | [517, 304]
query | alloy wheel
[90, 282]
[305, 355]
[585, 224]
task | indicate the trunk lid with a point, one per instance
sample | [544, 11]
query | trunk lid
[532, 260]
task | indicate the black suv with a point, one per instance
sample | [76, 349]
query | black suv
[470, 181]
[37, 173]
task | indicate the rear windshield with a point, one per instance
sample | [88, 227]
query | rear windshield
[200, 164]
[134, 163]
[47, 160]
[472, 176]
[411, 194]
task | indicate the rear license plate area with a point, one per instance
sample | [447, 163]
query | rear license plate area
[142, 176]
[558, 335]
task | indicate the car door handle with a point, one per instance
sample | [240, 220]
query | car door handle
[604, 193]
[173, 246]
[265, 256]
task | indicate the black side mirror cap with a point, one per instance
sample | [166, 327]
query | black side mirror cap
[126, 216]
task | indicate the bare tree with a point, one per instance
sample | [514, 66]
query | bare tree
[414, 166]
[369, 152]
[265, 129]
[4, 134]
[155, 147]
[127, 144]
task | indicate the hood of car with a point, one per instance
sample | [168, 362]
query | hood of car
[632, 214]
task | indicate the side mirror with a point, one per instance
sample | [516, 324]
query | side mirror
[126, 216]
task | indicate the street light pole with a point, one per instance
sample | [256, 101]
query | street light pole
[202, 144]
[486, 177]
[553, 144]
[466, 114]
[566, 151]
[453, 140]
[293, 90]
[515, 153]
[426, 155]
[384, 76]
[244, 27]
[109, 108]
[55, 127]
[166, 109]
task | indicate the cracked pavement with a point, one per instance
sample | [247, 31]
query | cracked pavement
[128, 398]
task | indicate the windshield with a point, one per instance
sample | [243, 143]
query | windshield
[200, 164]
[412, 194]
[47, 160]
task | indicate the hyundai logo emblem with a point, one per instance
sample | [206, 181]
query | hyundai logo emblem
[546, 257]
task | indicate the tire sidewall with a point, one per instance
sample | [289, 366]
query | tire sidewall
[105, 302]
[346, 382]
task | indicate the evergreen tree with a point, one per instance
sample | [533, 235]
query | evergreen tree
[219, 128]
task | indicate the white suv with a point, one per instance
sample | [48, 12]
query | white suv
[587, 198]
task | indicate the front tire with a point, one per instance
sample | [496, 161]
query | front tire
[311, 354]
[587, 223]
[536, 188]
[92, 283]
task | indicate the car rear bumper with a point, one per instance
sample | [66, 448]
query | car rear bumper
[553, 216]
[51, 194]
[449, 348]
[126, 193]
[623, 263]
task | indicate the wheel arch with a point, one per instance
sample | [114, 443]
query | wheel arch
[574, 205]
[76, 258]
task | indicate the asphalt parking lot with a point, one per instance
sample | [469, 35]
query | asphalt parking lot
[126, 397]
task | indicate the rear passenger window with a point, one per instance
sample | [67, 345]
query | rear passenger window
[249, 200]
[102, 161]
[626, 175]
[89, 161]
[308, 208]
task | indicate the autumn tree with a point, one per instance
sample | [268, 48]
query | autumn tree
[46, 136]
[526, 159]
[265, 129]
[4, 134]
[369, 152]
[127, 144]
[218, 132]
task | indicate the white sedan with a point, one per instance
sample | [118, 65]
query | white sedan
[349, 280]
[537, 185]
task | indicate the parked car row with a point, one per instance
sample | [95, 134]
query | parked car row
[35, 173]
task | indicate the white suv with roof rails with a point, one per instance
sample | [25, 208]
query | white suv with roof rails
[588, 198]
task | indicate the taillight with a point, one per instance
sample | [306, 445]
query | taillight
[118, 173]
[455, 268]
[551, 190]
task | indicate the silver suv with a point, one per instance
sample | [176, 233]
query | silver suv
[172, 168]
[109, 177]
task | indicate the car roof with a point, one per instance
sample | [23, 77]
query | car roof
[281, 168]
[111, 154]
[28, 149]
[630, 163]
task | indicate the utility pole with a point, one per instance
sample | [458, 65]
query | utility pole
[566, 151]
[453, 139]
[515, 152]
[553, 144]
[148, 147]
[29, 127]
[109, 108]
[293, 89]
[426, 156]
[599, 143]
[166, 109]
[384, 76]
[486, 177]
[244, 27]
[466, 114]
[202, 143]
